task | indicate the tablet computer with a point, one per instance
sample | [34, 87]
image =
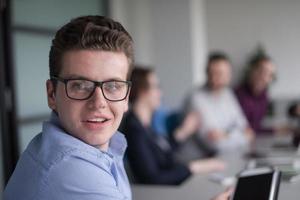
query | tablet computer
[258, 184]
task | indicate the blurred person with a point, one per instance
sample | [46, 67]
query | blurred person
[151, 156]
[189, 145]
[252, 94]
[223, 123]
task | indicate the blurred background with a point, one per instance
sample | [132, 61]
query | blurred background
[174, 36]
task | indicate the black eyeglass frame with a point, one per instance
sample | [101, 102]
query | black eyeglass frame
[97, 84]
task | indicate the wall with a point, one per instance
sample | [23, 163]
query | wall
[175, 35]
[166, 38]
[237, 26]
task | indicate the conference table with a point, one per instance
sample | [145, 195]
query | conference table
[204, 187]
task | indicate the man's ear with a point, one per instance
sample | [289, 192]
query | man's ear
[51, 95]
[126, 105]
[127, 101]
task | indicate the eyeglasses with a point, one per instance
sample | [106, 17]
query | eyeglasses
[82, 89]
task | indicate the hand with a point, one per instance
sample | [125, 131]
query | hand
[216, 135]
[191, 122]
[250, 135]
[189, 126]
[206, 166]
[283, 129]
[225, 195]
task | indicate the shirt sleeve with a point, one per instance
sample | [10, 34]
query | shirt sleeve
[75, 178]
[255, 113]
[196, 105]
[236, 132]
[240, 117]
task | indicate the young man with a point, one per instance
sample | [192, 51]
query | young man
[78, 154]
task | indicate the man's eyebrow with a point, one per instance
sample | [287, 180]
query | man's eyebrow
[73, 76]
[114, 79]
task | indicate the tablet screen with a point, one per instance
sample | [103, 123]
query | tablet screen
[256, 187]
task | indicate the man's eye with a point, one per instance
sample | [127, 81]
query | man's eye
[113, 86]
[80, 85]
[77, 86]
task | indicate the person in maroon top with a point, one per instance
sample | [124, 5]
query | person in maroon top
[252, 94]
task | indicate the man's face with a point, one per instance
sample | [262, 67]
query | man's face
[262, 76]
[219, 74]
[96, 119]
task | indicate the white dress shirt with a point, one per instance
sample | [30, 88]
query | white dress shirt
[221, 111]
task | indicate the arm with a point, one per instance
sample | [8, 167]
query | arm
[188, 127]
[236, 139]
[237, 131]
[144, 160]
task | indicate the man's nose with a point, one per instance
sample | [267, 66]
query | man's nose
[98, 100]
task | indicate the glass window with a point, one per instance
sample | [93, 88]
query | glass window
[54, 13]
[34, 23]
[31, 63]
[27, 132]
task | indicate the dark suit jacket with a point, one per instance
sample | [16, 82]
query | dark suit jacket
[151, 157]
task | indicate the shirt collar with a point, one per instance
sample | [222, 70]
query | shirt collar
[117, 145]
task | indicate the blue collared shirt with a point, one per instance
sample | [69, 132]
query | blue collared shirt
[58, 166]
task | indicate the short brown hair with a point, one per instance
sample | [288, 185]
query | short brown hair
[214, 57]
[91, 33]
[139, 80]
[256, 60]
[254, 63]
